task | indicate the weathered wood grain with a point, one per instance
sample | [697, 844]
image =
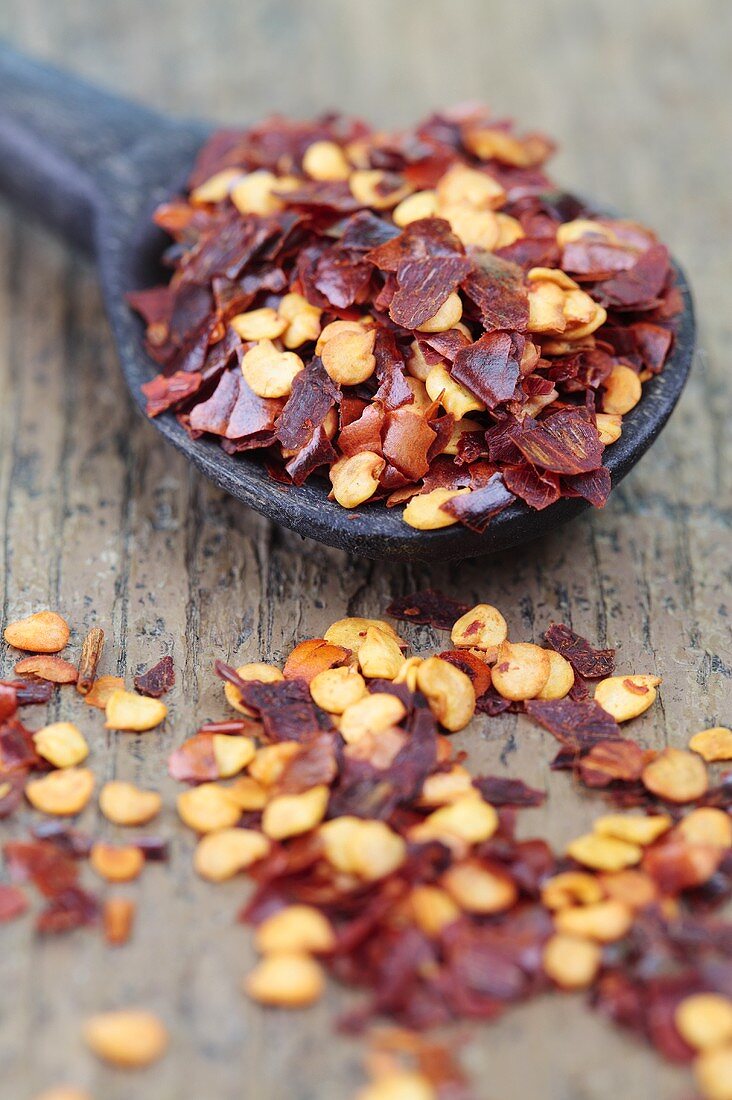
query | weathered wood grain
[97, 519]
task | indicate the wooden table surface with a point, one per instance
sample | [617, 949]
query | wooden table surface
[99, 519]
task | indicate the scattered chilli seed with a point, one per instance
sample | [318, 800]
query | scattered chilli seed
[62, 744]
[713, 1071]
[116, 864]
[625, 697]
[713, 744]
[133, 713]
[676, 776]
[222, 854]
[335, 266]
[286, 980]
[207, 808]
[46, 667]
[101, 691]
[63, 792]
[129, 1038]
[42, 632]
[704, 1020]
[571, 961]
[63, 1092]
[125, 804]
[298, 928]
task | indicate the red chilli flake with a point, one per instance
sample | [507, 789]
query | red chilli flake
[429, 608]
[585, 659]
[13, 902]
[435, 293]
[157, 680]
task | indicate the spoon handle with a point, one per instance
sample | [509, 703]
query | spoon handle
[64, 143]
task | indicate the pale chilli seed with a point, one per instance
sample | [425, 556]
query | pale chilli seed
[255, 193]
[128, 1038]
[468, 820]
[292, 814]
[713, 744]
[626, 697]
[348, 356]
[259, 324]
[604, 853]
[676, 775]
[355, 478]
[424, 512]
[62, 744]
[372, 714]
[454, 397]
[270, 372]
[570, 888]
[704, 1020]
[561, 677]
[43, 632]
[125, 804]
[257, 671]
[448, 691]
[422, 204]
[570, 961]
[223, 854]
[713, 1072]
[609, 427]
[101, 690]
[521, 670]
[232, 753]
[483, 627]
[118, 918]
[217, 187]
[408, 673]
[47, 666]
[635, 828]
[351, 632]
[299, 928]
[370, 850]
[605, 921]
[368, 187]
[116, 864]
[207, 808]
[510, 230]
[62, 793]
[432, 909]
[338, 328]
[441, 788]
[380, 655]
[707, 825]
[133, 713]
[325, 161]
[474, 228]
[447, 316]
[335, 689]
[286, 980]
[247, 793]
[476, 189]
[399, 1085]
[303, 320]
[460, 428]
[622, 390]
[478, 890]
[271, 760]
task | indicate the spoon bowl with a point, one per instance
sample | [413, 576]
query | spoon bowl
[94, 167]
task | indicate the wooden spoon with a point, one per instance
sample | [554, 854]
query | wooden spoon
[94, 167]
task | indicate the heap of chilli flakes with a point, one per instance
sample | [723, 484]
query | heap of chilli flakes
[376, 854]
[419, 316]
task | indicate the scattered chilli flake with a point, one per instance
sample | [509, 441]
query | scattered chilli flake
[379, 859]
[374, 307]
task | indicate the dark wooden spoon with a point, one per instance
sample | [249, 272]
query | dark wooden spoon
[93, 167]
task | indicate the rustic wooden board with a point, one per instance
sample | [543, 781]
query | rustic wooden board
[97, 519]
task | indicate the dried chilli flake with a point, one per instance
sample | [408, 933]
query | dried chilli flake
[377, 307]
